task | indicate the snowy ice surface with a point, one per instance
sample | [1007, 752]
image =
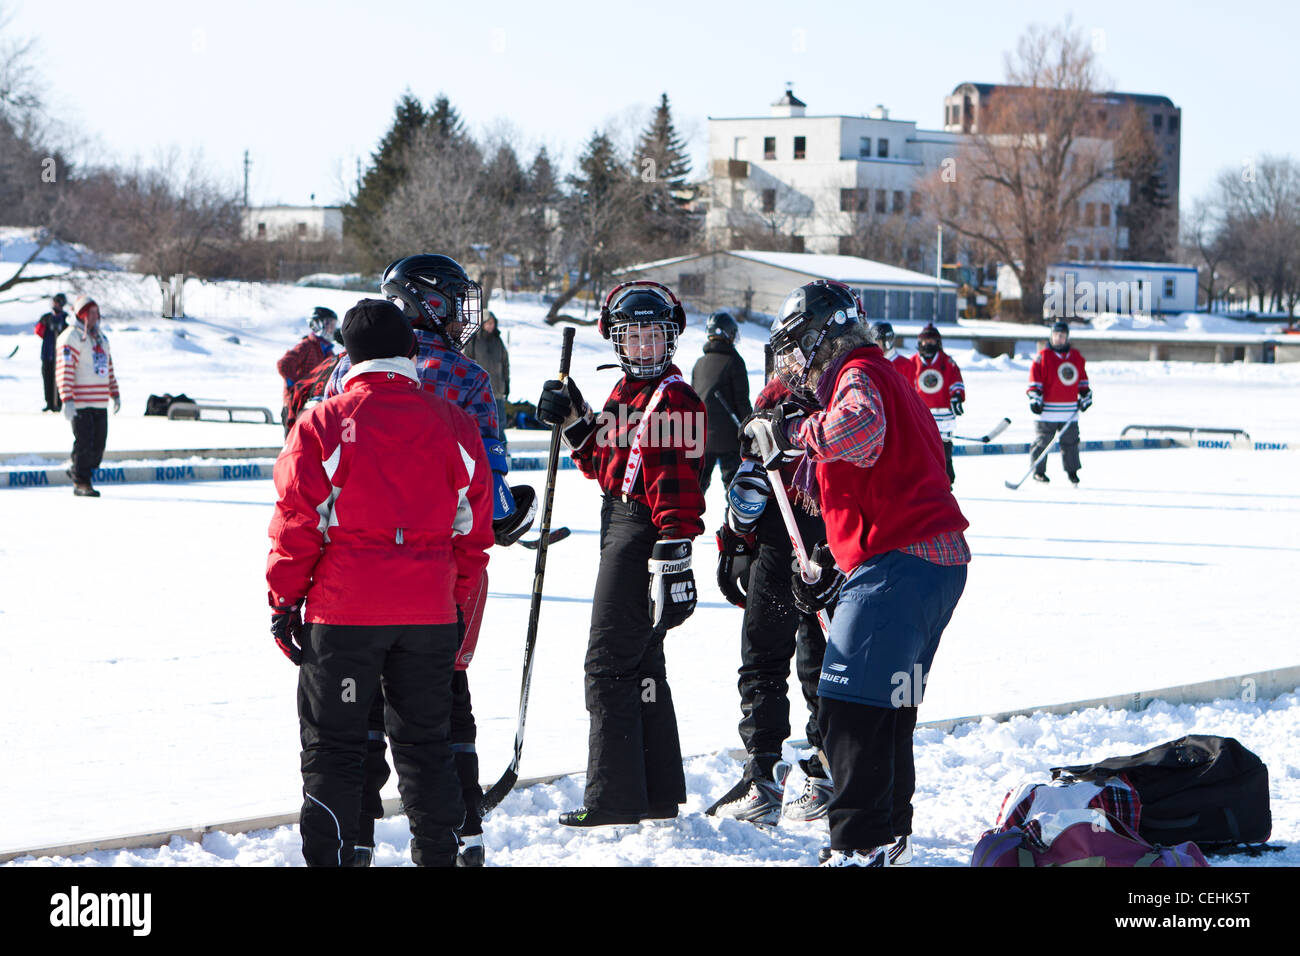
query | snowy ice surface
[145, 692]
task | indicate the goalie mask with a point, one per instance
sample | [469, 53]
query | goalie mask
[813, 315]
[643, 319]
[929, 342]
[436, 294]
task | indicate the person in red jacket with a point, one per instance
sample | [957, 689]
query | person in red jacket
[644, 450]
[382, 527]
[895, 557]
[1058, 392]
[883, 333]
[937, 380]
[297, 363]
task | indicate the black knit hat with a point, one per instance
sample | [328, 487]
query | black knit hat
[374, 329]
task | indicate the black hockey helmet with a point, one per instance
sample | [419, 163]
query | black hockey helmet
[1059, 326]
[436, 294]
[929, 342]
[722, 326]
[321, 319]
[883, 334]
[651, 315]
[812, 315]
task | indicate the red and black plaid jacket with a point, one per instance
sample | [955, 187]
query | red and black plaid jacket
[672, 451]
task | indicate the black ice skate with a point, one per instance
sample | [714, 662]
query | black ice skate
[757, 798]
[817, 793]
[471, 852]
[1041, 476]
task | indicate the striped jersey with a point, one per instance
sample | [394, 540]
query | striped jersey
[1058, 379]
[84, 367]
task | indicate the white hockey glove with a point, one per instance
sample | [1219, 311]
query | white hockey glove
[766, 435]
[672, 583]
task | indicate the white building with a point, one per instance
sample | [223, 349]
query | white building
[827, 180]
[306, 223]
[1087, 289]
[747, 283]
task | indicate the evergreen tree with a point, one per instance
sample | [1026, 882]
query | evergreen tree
[663, 166]
[661, 144]
[444, 121]
[388, 168]
[541, 202]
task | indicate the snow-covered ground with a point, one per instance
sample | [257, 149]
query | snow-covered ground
[145, 693]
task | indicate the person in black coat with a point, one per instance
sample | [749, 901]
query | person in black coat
[49, 327]
[721, 380]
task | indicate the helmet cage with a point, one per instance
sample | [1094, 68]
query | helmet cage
[426, 297]
[798, 335]
[645, 347]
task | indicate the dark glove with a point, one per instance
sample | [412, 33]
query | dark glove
[747, 497]
[672, 583]
[1036, 403]
[286, 628]
[955, 405]
[813, 596]
[735, 557]
[765, 434]
[1085, 399]
[562, 404]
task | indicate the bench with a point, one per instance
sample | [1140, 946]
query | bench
[194, 411]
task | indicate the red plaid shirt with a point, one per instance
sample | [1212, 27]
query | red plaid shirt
[672, 449]
[853, 429]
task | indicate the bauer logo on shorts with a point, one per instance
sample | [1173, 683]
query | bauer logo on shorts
[930, 381]
[1067, 373]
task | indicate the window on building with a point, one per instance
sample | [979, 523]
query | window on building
[864, 146]
[1090, 214]
[1169, 288]
[846, 245]
[261, 230]
[302, 230]
[915, 209]
[882, 200]
[800, 146]
[1158, 120]
[1087, 254]
[882, 148]
[1173, 124]
[769, 200]
[1121, 216]
[848, 200]
[898, 202]
[1104, 255]
[796, 243]
[690, 283]
[1105, 214]
[1072, 252]
[769, 147]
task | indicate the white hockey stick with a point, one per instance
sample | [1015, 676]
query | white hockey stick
[1045, 452]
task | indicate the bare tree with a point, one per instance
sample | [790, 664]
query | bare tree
[1016, 185]
[1259, 210]
[1203, 246]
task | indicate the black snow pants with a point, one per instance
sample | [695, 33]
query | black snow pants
[89, 436]
[343, 670]
[634, 757]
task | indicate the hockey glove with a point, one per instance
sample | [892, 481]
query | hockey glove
[765, 435]
[286, 628]
[1035, 403]
[813, 596]
[562, 404]
[1085, 399]
[69, 409]
[512, 527]
[672, 583]
[955, 405]
[735, 557]
[747, 497]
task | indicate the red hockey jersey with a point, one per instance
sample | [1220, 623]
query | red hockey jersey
[1058, 379]
[938, 383]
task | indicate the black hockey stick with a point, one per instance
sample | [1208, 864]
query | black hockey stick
[511, 776]
[559, 534]
[994, 432]
[13, 353]
[1045, 452]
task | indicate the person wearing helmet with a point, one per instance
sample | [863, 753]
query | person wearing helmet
[313, 349]
[720, 378]
[883, 333]
[1058, 392]
[894, 562]
[643, 451]
[444, 306]
[937, 379]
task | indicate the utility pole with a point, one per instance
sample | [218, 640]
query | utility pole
[247, 163]
[938, 275]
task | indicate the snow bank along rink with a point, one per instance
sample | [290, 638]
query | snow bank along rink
[146, 693]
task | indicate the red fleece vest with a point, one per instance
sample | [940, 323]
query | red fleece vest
[904, 498]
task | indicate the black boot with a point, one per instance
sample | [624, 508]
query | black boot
[583, 817]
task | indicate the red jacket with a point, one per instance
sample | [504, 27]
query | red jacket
[385, 505]
[942, 385]
[903, 499]
[297, 363]
[905, 366]
[1058, 379]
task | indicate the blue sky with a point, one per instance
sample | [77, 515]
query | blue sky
[308, 88]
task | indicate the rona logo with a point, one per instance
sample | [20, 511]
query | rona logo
[75, 909]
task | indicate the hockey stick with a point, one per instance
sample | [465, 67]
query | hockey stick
[1045, 452]
[511, 776]
[13, 353]
[559, 534]
[994, 432]
[723, 402]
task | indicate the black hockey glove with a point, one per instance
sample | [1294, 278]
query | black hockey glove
[765, 435]
[747, 497]
[1085, 399]
[955, 405]
[672, 583]
[562, 404]
[813, 596]
[286, 628]
[1035, 403]
[735, 558]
